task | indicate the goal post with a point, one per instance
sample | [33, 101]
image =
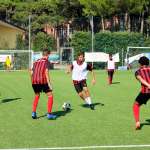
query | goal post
[134, 53]
[20, 59]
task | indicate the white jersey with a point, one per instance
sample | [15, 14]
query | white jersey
[110, 65]
[79, 72]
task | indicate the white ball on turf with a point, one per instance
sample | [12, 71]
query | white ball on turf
[66, 106]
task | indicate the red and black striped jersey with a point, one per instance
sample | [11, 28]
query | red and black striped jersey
[144, 72]
[39, 68]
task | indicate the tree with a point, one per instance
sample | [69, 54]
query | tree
[98, 8]
[41, 41]
[81, 41]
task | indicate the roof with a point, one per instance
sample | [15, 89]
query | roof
[9, 25]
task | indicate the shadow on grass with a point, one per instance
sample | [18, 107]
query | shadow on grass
[7, 100]
[95, 104]
[57, 113]
[147, 123]
[115, 82]
[62, 113]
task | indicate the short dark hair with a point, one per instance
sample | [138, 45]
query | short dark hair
[144, 61]
[45, 52]
[80, 53]
[110, 54]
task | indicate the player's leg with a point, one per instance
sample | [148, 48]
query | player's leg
[140, 99]
[88, 97]
[109, 77]
[37, 90]
[136, 112]
[49, 94]
[87, 94]
[82, 96]
[79, 90]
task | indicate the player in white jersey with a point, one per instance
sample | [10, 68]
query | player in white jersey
[110, 68]
[80, 70]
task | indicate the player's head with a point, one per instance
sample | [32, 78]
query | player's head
[144, 61]
[110, 57]
[80, 56]
[45, 52]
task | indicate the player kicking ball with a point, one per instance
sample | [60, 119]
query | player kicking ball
[80, 70]
[41, 83]
[143, 75]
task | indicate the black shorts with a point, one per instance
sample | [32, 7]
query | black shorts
[110, 73]
[142, 98]
[38, 88]
[79, 85]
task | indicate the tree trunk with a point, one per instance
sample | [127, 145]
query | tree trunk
[102, 22]
[126, 20]
[58, 44]
[129, 23]
[142, 22]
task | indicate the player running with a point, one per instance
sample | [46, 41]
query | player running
[110, 68]
[143, 75]
[41, 83]
[80, 70]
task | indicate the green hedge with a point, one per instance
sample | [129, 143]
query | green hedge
[107, 41]
[81, 41]
[116, 41]
[41, 41]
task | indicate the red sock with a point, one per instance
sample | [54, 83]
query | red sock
[136, 110]
[50, 104]
[109, 80]
[35, 103]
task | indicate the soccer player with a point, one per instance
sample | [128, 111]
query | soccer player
[80, 70]
[41, 83]
[8, 63]
[110, 69]
[143, 75]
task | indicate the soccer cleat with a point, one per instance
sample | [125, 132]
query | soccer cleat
[92, 106]
[137, 126]
[51, 117]
[34, 115]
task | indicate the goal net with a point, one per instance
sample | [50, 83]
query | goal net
[134, 53]
[66, 55]
[20, 59]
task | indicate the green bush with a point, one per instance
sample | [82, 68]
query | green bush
[41, 41]
[108, 42]
[81, 41]
[116, 41]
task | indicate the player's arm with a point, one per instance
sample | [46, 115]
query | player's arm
[90, 68]
[69, 68]
[143, 81]
[93, 75]
[30, 72]
[48, 78]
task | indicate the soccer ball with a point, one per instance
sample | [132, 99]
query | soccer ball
[66, 106]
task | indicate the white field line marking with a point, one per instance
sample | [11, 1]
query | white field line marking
[84, 147]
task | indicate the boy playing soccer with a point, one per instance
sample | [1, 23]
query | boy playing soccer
[110, 68]
[80, 70]
[41, 83]
[143, 75]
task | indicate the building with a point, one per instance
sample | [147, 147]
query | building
[8, 35]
